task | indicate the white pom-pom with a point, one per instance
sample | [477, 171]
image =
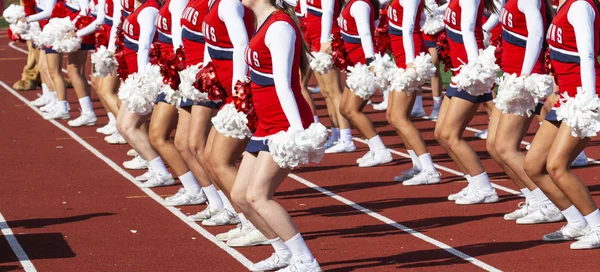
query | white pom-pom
[361, 81]
[104, 62]
[321, 62]
[186, 86]
[425, 69]
[293, 148]
[34, 34]
[19, 28]
[403, 80]
[139, 91]
[57, 36]
[172, 97]
[383, 68]
[520, 95]
[581, 113]
[13, 13]
[434, 22]
[409, 80]
[478, 76]
[232, 123]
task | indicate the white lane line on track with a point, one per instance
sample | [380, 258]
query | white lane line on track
[15, 246]
[234, 253]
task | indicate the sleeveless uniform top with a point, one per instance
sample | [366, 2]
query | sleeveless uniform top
[452, 19]
[163, 27]
[395, 13]
[127, 7]
[314, 12]
[271, 117]
[108, 12]
[350, 35]
[131, 30]
[191, 36]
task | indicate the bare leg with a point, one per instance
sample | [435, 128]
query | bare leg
[162, 124]
[131, 127]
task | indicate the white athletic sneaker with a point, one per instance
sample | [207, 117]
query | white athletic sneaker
[523, 209]
[272, 263]
[330, 142]
[42, 100]
[203, 215]
[158, 180]
[57, 113]
[462, 193]
[589, 241]
[341, 147]
[543, 213]
[376, 158]
[85, 119]
[365, 156]
[48, 107]
[145, 176]
[252, 238]
[580, 161]
[299, 266]
[236, 232]
[566, 233]
[115, 138]
[183, 197]
[381, 106]
[137, 163]
[406, 175]
[223, 217]
[434, 114]
[476, 196]
[417, 113]
[423, 178]
[482, 134]
[132, 153]
[107, 129]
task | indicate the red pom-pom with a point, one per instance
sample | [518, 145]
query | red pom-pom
[382, 35]
[208, 82]
[13, 37]
[83, 21]
[170, 65]
[154, 53]
[59, 11]
[549, 69]
[443, 49]
[29, 6]
[100, 36]
[122, 70]
[242, 100]
[339, 54]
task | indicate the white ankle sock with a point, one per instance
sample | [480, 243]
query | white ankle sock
[346, 135]
[111, 118]
[482, 182]
[386, 96]
[299, 249]
[427, 163]
[316, 119]
[64, 104]
[190, 183]
[335, 133]
[574, 217]
[437, 102]
[415, 160]
[528, 195]
[539, 195]
[280, 248]
[86, 105]
[375, 144]
[158, 166]
[593, 219]
[418, 102]
[52, 96]
[226, 202]
[45, 90]
[214, 200]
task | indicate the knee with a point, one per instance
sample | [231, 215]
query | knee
[504, 152]
[204, 159]
[124, 129]
[445, 137]
[238, 196]
[490, 146]
[533, 168]
[157, 140]
[347, 112]
[254, 199]
[556, 169]
[182, 146]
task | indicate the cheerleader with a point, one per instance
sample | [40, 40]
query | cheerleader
[139, 30]
[465, 37]
[574, 43]
[300, 11]
[320, 25]
[274, 54]
[406, 43]
[357, 22]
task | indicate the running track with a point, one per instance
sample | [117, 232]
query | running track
[67, 205]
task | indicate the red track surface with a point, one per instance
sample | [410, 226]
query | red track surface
[70, 211]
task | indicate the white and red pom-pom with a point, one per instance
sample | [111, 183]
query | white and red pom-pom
[293, 148]
[57, 35]
[139, 91]
[13, 13]
[581, 113]
[520, 95]
[19, 28]
[186, 86]
[383, 68]
[361, 81]
[434, 20]
[321, 62]
[232, 123]
[478, 76]
[104, 62]
[425, 69]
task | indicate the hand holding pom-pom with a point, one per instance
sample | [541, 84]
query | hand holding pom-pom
[104, 62]
[208, 82]
[478, 76]
[242, 99]
[295, 147]
[383, 67]
[321, 62]
[231, 123]
[581, 113]
[361, 81]
[139, 91]
[13, 13]
[187, 84]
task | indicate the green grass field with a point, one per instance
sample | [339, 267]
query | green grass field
[3, 23]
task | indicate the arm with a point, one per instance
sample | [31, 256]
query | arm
[408, 27]
[581, 16]
[176, 8]
[467, 25]
[89, 29]
[206, 56]
[280, 39]
[326, 19]
[535, 36]
[146, 20]
[361, 12]
[116, 22]
[231, 13]
[45, 14]
[495, 17]
[302, 4]
[83, 7]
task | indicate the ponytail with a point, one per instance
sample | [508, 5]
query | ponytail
[490, 6]
[376, 6]
[549, 12]
[304, 52]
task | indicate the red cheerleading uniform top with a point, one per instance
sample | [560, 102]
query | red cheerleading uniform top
[127, 7]
[219, 45]
[514, 36]
[271, 117]
[564, 53]
[350, 35]
[452, 19]
[433, 37]
[163, 27]
[131, 30]
[298, 10]
[191, 35]
[109, 7]
[314, 12]
[73, 11]
[395, 13]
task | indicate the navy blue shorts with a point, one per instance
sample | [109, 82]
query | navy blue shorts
[551, 116]
[453, 92]
[208, 104]
[255, 146]
[85, 47]
[160, 98]
[431, 44]
[538, 109]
